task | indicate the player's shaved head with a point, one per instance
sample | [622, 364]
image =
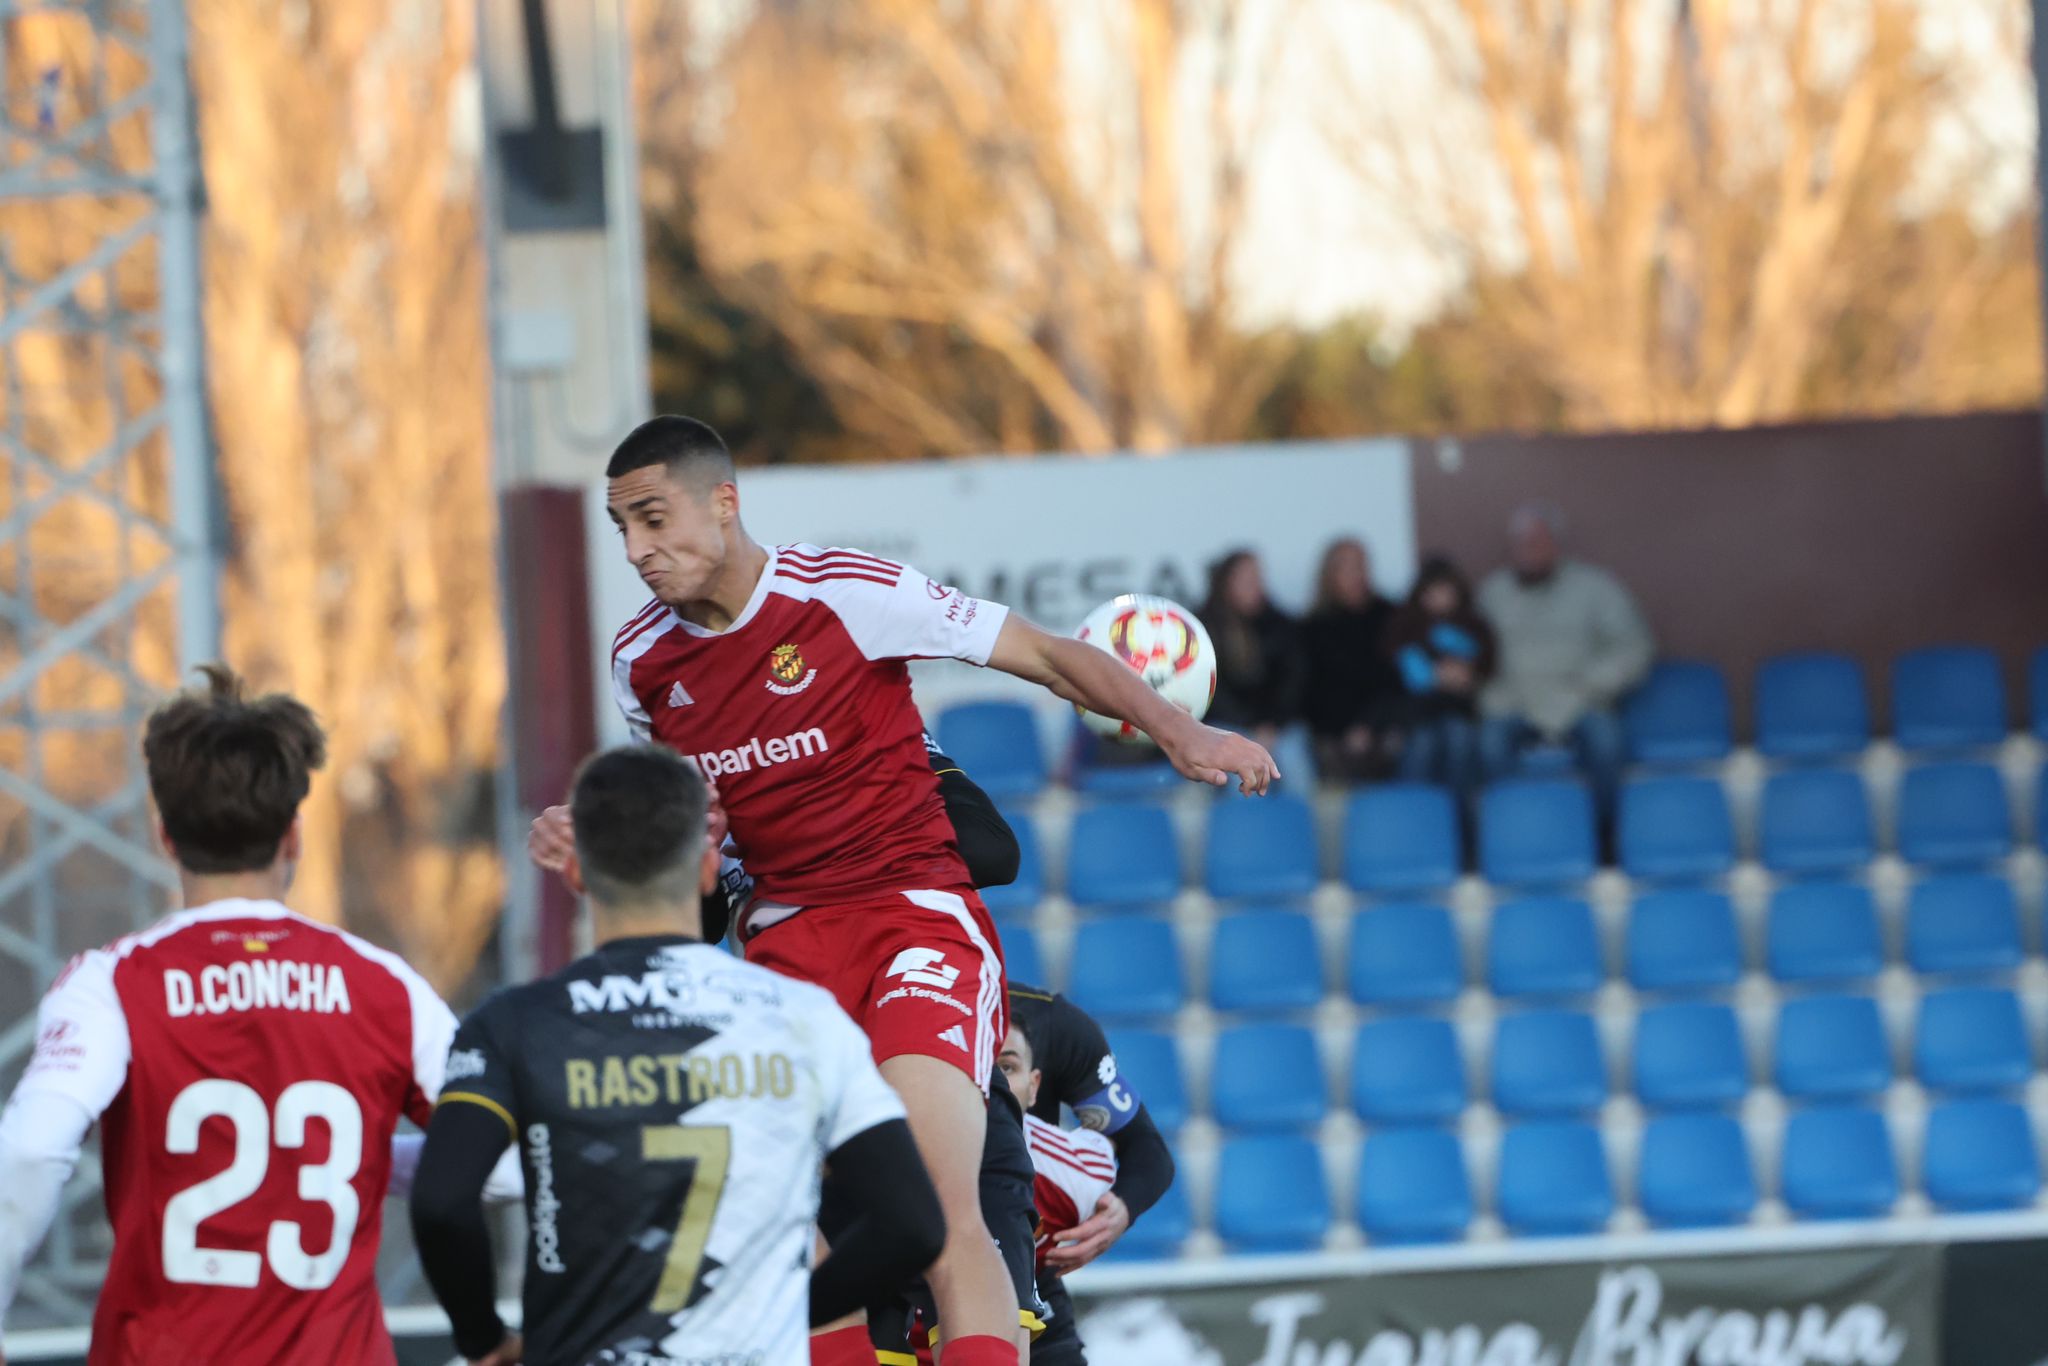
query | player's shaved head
[691, 451]
[228, 771]
[639, 814]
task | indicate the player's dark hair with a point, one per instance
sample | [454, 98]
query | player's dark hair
[693, 452]
[639, 816]
[228, 771]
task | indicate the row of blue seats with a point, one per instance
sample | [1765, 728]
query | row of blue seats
[1403, 839]
[1693, 1170]
[1808, 706]
[1407, 954]
[1686, 1055]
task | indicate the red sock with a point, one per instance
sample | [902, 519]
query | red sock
[977, 1351]
[843, 1347]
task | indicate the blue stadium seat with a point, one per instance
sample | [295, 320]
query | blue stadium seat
[1150, 1061]
[1954, 815]
[1271, 1195]
[1022, 962]
[1963, 923]
[1543, 946]
[1831, 1048]
[1400, 839]
[1125, 969]
[1811, 706]
[1265, 961]
[1404, 954]
[2037, 692]
[1838, 1164]
[1413, 1188]
[1267, 1076]
[1406, 1069]
[1021, 896]
[997, 744]
[1121, 856]
[1823, 932]
[1547, 1062]
[1688, 1056]
[1981, 1155]
[1553, 1179]
[1675, 829]
[1679, 715]
[1696, 1172]
[1683, 940]
[1161, 1233]
[1263, 847]
[1536, 832]
[1816, 823]
[1971, 1039]
[1947, 697]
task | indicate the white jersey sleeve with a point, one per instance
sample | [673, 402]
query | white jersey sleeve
[632, 641]
[856, 1097]
[891, 610]
[638, 722]
[82, 1046]
[79, 1065]
[433, 1023]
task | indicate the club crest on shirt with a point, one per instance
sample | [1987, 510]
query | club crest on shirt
[787, 674]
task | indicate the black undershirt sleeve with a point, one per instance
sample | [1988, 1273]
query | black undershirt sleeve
[897, 1229]
[987, 844]
[1144, 1164]
[463, 1144]
[716, 909]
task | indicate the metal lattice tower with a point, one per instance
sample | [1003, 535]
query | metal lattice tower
[108, 562]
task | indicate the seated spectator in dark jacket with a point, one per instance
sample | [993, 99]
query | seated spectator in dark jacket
[1258, 662]
[1349, 688]
[1444, 652]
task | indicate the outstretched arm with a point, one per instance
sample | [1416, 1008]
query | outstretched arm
[1080, 673]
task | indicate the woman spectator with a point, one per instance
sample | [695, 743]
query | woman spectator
[1444, 651]
[1350, 692]
[1258, 662]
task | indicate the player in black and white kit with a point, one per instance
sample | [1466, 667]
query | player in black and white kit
[673, 1106]
[1079, 1072]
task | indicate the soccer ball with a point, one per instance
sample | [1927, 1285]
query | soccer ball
[1168, 647]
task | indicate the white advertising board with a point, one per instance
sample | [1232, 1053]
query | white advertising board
[1053, 536]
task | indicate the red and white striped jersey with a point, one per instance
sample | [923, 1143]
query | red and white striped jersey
[1073, 1170]
[247, 1066]
[801, 712]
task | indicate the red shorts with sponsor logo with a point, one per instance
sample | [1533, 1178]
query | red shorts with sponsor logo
[921, 972]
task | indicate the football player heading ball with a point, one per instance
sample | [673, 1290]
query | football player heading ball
[780, 673]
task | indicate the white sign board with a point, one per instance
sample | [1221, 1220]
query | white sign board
[1053, 536]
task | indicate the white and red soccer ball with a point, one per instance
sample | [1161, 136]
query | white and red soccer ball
[1165, 644]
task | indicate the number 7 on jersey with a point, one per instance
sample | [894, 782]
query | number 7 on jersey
[711, 1149]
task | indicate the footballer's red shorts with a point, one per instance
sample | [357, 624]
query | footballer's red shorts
[921, 972]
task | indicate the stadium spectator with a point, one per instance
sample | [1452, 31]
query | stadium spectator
[1443, 650]
[1258, 662]
[1572, 643]
[1350, 693]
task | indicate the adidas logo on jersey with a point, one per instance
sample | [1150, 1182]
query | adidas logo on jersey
[677, 697]
[955, 1036]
